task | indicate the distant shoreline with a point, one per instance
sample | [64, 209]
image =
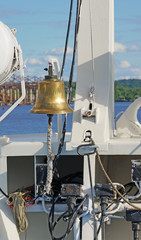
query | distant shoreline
[125, 91]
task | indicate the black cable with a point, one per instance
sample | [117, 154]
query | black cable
[61, 144]
[3, 193]
[53, 224]
[62, 70]
[72, 215]
[131, 185]
[100, 225]
[67, 37]
[79, 2]
[73, 178]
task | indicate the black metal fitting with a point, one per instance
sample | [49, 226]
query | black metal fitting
[136, 170]
[104, 190]
[41, 173]
[134, 216]
[103, 204]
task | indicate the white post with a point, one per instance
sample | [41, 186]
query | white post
[95, 71]
[87, 221]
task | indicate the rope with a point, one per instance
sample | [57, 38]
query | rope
[109, 179]
[50, 156]
[16, 200]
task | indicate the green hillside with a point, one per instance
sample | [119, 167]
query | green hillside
[127, 90]
[131, 83]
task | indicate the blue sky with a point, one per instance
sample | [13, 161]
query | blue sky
[42, 27]
[127, 39]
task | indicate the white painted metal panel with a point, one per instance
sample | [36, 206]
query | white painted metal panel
[95, 69]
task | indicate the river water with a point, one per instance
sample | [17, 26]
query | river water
[20, 121]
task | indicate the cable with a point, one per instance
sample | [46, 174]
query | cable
[92, 47]
[114, 210]
[118, 114]
[130, 185]
[67, 37]
[4, 193]
[100, 225]
[79, 2]
[70, 215]
[61, 144]
[109, 179]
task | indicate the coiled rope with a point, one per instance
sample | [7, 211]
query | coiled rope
[16, 200]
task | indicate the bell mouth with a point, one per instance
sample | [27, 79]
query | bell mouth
[51, 110]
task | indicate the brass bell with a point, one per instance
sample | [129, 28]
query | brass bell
[51, 96]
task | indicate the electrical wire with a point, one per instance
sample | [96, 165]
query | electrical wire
[4, 193]
[100, 224]
[70, 215]
[109, 179]
[114, 210]
[67, 37]
[78, 10]
[130, 185]
[61, 144]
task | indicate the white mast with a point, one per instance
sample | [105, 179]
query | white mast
[95, 71]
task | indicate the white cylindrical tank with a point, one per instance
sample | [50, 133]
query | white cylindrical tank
[9, 51]
[10, 61]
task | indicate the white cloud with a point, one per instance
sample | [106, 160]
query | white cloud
[50, 58]
[59, 51]
[34, 61]
[119, 47]
[30, 71]
[125, 77]
[125, 64]
[134, 48]
[56, 51]
[69, 50]
[136, 71]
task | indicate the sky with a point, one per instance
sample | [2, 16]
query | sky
[41, 30]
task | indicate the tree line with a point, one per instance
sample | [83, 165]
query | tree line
[125, 90]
